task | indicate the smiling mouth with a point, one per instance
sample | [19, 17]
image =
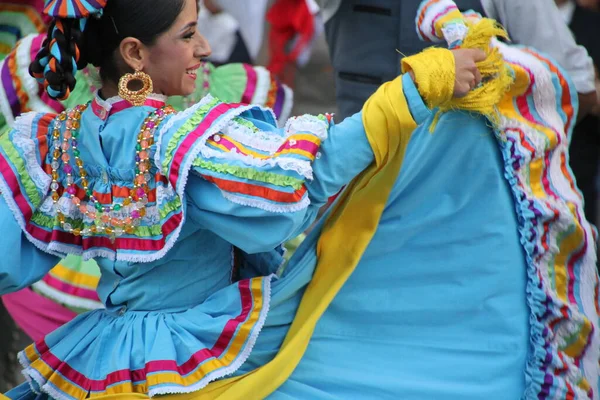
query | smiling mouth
[193, 71]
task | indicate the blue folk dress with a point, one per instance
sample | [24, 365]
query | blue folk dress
[224, 182]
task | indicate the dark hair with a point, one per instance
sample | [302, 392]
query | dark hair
[67, 48]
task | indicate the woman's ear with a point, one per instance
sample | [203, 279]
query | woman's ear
[133, 53]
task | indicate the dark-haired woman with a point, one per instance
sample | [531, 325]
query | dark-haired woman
[159, 199]
[70, 287]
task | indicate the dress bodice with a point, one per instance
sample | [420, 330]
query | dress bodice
[200, 264]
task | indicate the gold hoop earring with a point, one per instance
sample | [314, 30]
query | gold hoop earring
[135, 97]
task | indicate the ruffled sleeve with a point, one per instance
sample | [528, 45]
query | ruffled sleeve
[23, 150]
[23, 184]
[257, 185]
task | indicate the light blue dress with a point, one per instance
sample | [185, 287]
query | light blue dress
[480, 281]
[458, 295]
[177, 313]
[436, 308]
[429, 300]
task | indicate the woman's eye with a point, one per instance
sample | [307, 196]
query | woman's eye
[189, 35]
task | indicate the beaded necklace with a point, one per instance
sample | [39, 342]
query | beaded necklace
[115, 219]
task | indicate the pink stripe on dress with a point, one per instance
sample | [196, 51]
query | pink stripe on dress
[250, 84]
[70, 289]
[305, 145]
[36, 44]
[124, 104]
[153, 366]
[13, 184]
[54, 104]
[193, 136]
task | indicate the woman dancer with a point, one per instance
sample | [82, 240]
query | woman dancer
[159, 198]
[471, 276]
[70, 287]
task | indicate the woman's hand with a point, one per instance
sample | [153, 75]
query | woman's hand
[467, 74]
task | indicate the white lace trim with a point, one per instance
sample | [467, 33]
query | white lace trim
[283, 263]
[180, 189]
[64, 298]
[6, 192]
[544, 94]
[259, 140]
[200, 144]
[22, 140]
[4, 103]
[271, 142]
[31, 375]
[30, 84]
[307, 124]
[61, 249]
[239, 361]
[455, 32]
[265, 205]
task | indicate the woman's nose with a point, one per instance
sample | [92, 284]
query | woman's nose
[202, 49]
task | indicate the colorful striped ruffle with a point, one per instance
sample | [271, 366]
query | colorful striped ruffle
[72, 283]
[13, 96]
[537, 118]
[434, 16]
[251, 167]
[558, 241]
[203, 345]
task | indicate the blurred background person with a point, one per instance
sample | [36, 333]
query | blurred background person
[239, 30]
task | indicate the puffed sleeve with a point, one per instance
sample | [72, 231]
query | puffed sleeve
[21, 263]
[257, 186]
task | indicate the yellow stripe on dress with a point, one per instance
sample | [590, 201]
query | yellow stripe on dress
[75, 278]
[57, 380]
[233, 351]
[309, 138]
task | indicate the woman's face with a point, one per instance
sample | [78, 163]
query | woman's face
[173, 61]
